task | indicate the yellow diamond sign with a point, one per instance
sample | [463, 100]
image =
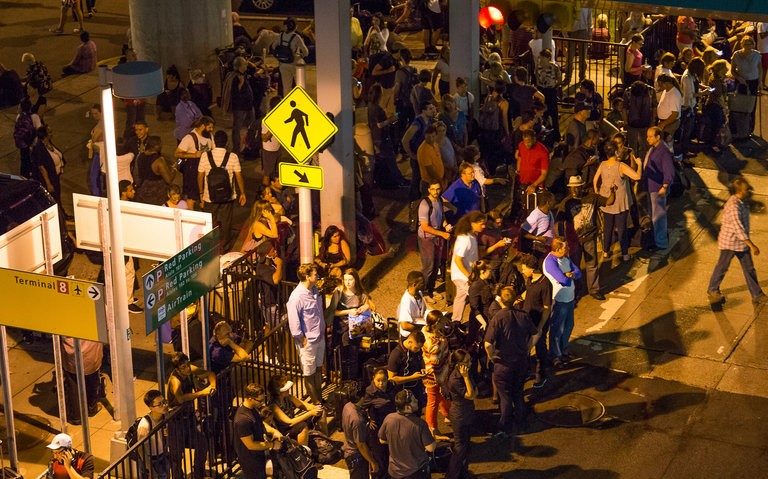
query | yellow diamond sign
[301, 176]
[299, 125]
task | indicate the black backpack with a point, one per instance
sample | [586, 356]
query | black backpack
[324, 450]
[132, 435]
[219, 186]
[403, 95]
[295, 460]
[283, 51]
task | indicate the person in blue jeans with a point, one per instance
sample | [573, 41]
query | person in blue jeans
[659, 171]
[562, 273]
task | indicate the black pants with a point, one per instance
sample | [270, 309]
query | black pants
[587, 249]
[359, 467]
[414, 190]
[25, 160]
[542, 353]
[618, 223]
[92, 392]
[222, 217]
[461, 422]
[510, 380]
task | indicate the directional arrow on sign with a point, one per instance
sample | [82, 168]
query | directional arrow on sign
[149, 281]
[94, 293]
[151, 301]
[302, 176]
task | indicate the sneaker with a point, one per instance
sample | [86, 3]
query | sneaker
[715, 297]
[135, 309]
[598, 296]
[540, 383]
[558, 363]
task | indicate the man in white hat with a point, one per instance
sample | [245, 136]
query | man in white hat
[578, 211]
[67, 462]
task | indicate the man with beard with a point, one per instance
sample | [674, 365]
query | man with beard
[189, 151]
[577, 216]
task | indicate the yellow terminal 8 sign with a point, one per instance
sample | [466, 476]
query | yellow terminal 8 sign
[54, 305]
[299, 125]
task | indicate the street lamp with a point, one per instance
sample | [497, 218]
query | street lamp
[131, 80]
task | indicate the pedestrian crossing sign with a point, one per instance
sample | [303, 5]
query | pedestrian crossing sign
[299, 125]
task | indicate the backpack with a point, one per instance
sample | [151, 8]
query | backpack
[297, 459]
[324, 450]
[24, 131]
[132, 435]
[283, 51]
[639, 106]
[219, 186]
[402, 100]
[489, 116]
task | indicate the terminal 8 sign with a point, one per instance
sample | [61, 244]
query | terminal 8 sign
[181, 280]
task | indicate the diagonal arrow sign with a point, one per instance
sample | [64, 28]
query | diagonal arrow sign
[302, 176]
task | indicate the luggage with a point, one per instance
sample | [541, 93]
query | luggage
[740, 103]
[741, 125]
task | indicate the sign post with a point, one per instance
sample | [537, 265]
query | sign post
[178, 282]
[302, 128]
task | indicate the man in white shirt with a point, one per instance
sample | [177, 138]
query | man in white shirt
[296, 44]
[189, 151]
[221, 211]
[670, 105]
[762, 47]
[411, 310]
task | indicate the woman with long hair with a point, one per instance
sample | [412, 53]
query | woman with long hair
[351, 307]
[480, 295]
[461, 392]
[633, 63]
[435, 352]
[334, 250]
[47, 163]
[154, 174]
[611, 177]
[465, 253]
[263, 225]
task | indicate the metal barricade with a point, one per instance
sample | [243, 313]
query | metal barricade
[601, 61]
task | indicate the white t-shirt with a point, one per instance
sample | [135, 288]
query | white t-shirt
[410, 310]
[272, 144]
[187, 144]
[233, 166]
[466, 247]
[123, 163]
[762, 43]
[670, 101]
[463, 103]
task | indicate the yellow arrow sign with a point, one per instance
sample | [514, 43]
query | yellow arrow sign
[299, 125]
[301, 176]
[52, 304]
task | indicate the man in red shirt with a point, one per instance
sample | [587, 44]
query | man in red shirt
[532, 162]
[686, 32]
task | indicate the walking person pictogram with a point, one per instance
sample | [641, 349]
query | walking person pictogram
[302, 120]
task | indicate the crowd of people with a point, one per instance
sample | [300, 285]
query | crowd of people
[515, 219]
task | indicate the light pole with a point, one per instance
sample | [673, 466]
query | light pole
[130, 80]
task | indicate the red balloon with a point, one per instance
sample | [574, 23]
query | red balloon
[490, 16]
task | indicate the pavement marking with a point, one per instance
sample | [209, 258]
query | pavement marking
[635, 283]
[610, 307]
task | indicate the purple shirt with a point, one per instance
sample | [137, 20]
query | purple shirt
[305, 314]
[660, 170]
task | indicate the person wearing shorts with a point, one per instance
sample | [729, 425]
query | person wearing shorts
[307, 325]
[431, 23]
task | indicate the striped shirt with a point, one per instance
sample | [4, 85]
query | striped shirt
[734, 232]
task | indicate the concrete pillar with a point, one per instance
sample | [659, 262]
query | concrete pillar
[334, 94]
[465, 43]
[180, 32]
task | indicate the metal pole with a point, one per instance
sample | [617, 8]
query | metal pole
[126, 399]
[57, 361]
[80, 372]
[5, 376]
[183, 314]
[306, 246]
[109, 305]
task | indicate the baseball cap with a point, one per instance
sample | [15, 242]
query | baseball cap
[287, 386]
[60, 440]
